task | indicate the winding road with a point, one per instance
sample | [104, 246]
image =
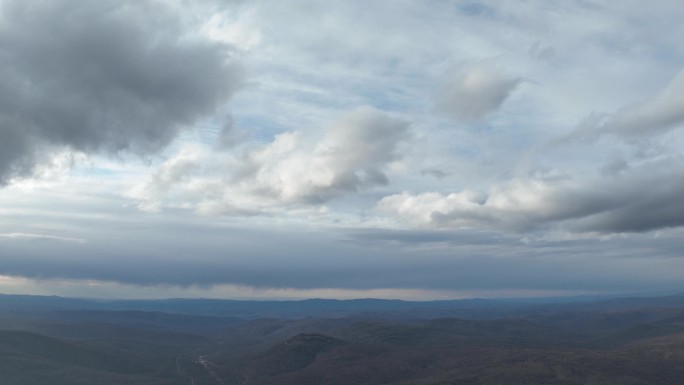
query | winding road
[202, 361]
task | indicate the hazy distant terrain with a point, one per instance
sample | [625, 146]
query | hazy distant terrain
[583, 341]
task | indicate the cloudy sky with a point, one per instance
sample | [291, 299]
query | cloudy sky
[306, 148]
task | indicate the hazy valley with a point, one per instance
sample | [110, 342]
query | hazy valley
[582, 341]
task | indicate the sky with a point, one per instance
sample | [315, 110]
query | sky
[287, 149]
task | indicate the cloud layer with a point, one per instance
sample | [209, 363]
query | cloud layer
[451, 145]
[102, 77]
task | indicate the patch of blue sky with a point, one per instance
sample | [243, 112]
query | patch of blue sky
[326, 93]
[203, 132]
[387, 100]
[476, 8]
[102, 172]
[668, 56]
[262, 128]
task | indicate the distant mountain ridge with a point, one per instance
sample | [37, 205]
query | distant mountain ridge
[70, 341]
[250, 309]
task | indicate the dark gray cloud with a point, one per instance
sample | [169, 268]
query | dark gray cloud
[649, 200]
[102, 76]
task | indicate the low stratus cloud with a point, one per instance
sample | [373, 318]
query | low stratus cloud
[294, 169]
[473, 93]
[102, 77]
[152, 250]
